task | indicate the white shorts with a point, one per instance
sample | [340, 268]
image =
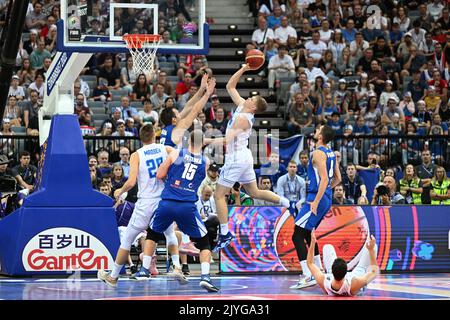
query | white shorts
[236, 172]
[143, 211]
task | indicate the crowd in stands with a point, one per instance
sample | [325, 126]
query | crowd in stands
[361, 74]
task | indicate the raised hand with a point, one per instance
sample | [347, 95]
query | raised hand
[204, 82]
[313, 235]
[370, 245]
[211, 86]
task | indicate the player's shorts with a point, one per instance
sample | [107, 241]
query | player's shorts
[308, 220]
[233, 172]
[185, 214]
[143, 211]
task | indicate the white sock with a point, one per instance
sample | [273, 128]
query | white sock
[305, 268]
[318, 262]
[185, 238]
[116, 270]
[205, 268]
[176, 261]
[224, 228]
[146, 262]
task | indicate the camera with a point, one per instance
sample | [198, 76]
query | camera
[382, 190]
[237, 186]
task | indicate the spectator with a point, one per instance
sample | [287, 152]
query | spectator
[395, 35]
[417, 86]
[364, 63]
[80, 108]
[444, 112]
[35, 19]
[148, 115]
[339, 196]
[12, 112]
[274, 169]
[106, 131]
[362, 90]
[238, 197]
[85, 120]
[211, 179]
[402, 19]
[325, 111]
[220, 123]
[274, 20]
[129, 127]
[385, 194]
[183, 86]
[264, 184]
[341, 97]
[38, 85]
[336, 123]
[187, 96]
[128, 76]
[305, 32]
[111, 74]
[30, 114]
[411, 187]
[300, 114]
[101, 92]
[353, 184]
[280, 65]
[302, 167]
[440, 85]
[159, 97]
[168, 86]
[377, 76]
[411, 146]
[423, 116]
[349, 33]
[26, 73]
[284, 31]
[124, 154]
[118, 177]
[313, 72]
[38, 55]
[444, 20]
[432, 100]
[15, 89]
[391, 109]
[372, 113]
[121, 132]
[32, 43]
[440, 184]
[211, 111]
[260, 35]
[425, 172]
[291, 186]
[104, 167]
[141, 89]
[176, 33]
[315, 47]
[206, 206]
[336, 45]
[435, 9]
[25, 173]
[381, 51]
[127, 111]
[7, 146]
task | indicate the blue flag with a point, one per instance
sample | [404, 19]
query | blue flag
[371, 177]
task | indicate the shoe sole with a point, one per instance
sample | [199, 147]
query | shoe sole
[306, 285]
[179, 277]
[208, 286]
[222, 245]
[139, 278]
[190, 253]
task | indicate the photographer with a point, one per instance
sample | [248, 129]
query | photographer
[239, 198]
[386, 193]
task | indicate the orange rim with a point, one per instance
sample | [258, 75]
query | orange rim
[137, 40]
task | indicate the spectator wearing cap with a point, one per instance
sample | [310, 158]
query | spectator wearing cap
[31, 44]
[423, 116]
[15, 89]
[211, 179]
[395, 127]
[280, 65]
[4, 170]
[432, 100]
[210, 111]
[417, 86]
[388, 93]
[300, 114]
[36, 18]
[390, 109]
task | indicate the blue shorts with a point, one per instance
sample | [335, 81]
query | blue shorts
[185, 214]
[308, 220]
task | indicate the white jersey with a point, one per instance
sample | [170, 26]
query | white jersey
[237, 150]
[150, 158]
[345, 290]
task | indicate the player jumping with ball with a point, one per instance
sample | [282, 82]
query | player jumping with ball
[324, 175]
[238, 165]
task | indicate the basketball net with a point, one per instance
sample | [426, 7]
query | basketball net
[143, 48]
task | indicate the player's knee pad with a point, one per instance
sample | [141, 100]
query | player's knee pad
[202, 243]
[154, 236]
[128, 238]
[171, 238]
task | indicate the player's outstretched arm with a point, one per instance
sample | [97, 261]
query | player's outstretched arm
[132, 177]
[184, 124]
[232, 83]
[241, 124]
[192, 101]
[161, 173]
[315, 271]
[337, 176]
[372, 270]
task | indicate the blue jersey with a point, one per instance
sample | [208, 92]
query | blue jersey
[166, 136]
[184, 177]
[313, 174]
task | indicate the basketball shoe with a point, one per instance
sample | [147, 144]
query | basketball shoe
[106, 278]
[304, 282]
[178, 275]
[224, 240]
[189, 249]
[142, 274]
[205, 283]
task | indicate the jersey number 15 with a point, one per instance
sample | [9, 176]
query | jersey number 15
[189, 171]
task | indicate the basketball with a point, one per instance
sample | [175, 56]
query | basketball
[255, 59]
[345, 228]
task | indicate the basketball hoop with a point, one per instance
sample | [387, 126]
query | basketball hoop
[143, 48]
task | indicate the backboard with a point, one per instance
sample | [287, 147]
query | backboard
[98, 26]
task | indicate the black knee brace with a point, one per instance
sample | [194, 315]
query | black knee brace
[154, 236]
[202, 243]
